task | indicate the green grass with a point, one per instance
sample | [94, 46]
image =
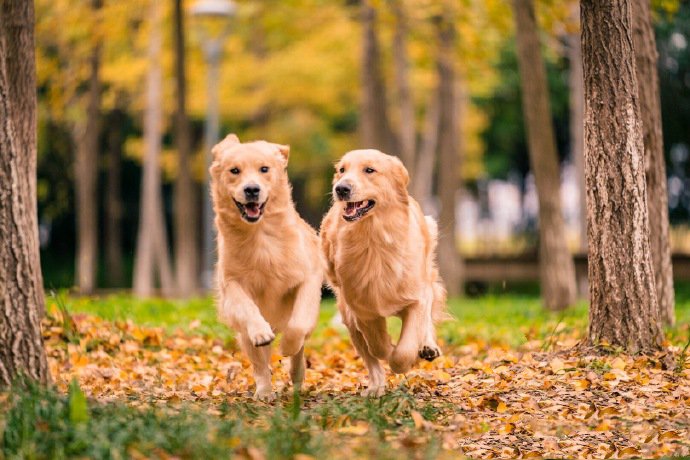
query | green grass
[510, 319]
[39, 423]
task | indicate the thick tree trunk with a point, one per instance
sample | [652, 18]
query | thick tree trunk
[186, 247]
[556, 267]
[113, 200]
[21, 290]
[624, 310]
[449, 261]
[375, 126]
[152, 240]
[86, 136]
[646, 57]
[407, 131]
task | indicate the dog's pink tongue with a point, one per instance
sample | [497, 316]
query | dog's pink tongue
[350, 209]
[252, 209]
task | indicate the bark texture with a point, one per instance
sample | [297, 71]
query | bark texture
[407, 131]
[557, 270]
[113, 200]
[86, 136]
[423, 174]
[375, 125]
[624, 310]
[152, 241]
[186, 247]
[646, 57]
[450, 264]
[21, 291]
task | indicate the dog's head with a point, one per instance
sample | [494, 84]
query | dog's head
[368, 179]
[248, 176]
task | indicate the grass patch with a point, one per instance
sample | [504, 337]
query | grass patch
[40, 423]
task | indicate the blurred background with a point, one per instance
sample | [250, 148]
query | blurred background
[133, 93]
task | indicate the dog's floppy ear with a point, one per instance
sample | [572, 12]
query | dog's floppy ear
[400, 176]
[217, 151]
[284, 151]
[230, 139]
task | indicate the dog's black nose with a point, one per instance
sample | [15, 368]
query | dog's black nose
[343, 191]
[251, 192]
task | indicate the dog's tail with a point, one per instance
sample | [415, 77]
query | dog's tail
[438, 309]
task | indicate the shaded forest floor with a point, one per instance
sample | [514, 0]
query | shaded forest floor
[509, 385]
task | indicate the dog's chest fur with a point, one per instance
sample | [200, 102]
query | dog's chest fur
[269, 262]
[371, 265]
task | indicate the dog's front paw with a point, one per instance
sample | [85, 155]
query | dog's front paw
[430, 352]
[260, 335]
[265, 395]
[374, 391]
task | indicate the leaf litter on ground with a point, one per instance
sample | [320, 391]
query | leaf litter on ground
[481, 400]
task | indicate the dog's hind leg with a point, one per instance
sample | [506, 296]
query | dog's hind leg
[377, 375]
[260, 357]
[297, 369]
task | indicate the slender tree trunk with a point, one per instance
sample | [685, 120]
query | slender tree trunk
[577, 113]
[374, 124]
[113, 200]
[152, 240]
[423, 175]
[21, 291]
[186, 248]
[646, 57]
[407, 131]
[557, 270]
[86, 136]
[449, 261]
[624, 310]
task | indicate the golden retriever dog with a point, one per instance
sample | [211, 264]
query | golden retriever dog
[270, 269]
[380, 257]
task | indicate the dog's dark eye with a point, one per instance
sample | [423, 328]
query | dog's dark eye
[369, 170]
[235, 170]
[264, 169]
[342, 170]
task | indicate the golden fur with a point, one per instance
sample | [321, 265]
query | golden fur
[269, 270]
[382, 264]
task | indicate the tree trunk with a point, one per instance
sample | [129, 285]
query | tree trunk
[646, 58]
[449, 261]
[407, 131]
[86, 136]
[374, 124]
[577, 113]
[21, 291]
[113, 200]
[186, 248]
[624, 310]
[423, 174]
[556, 267]
[152, 240]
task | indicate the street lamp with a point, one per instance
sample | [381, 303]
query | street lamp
[213, 18]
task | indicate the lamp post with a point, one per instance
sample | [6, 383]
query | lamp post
[213, 17]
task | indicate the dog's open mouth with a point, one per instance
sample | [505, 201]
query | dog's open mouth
[355, 210]
[250, 211]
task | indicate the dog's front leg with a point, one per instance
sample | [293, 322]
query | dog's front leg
[260, 357]
[240, 312]
[305, 312]
[417, 337]
[375, 332]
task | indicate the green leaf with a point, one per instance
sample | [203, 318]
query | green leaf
[78, 407]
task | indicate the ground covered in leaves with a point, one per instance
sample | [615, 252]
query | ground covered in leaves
[185, 392]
